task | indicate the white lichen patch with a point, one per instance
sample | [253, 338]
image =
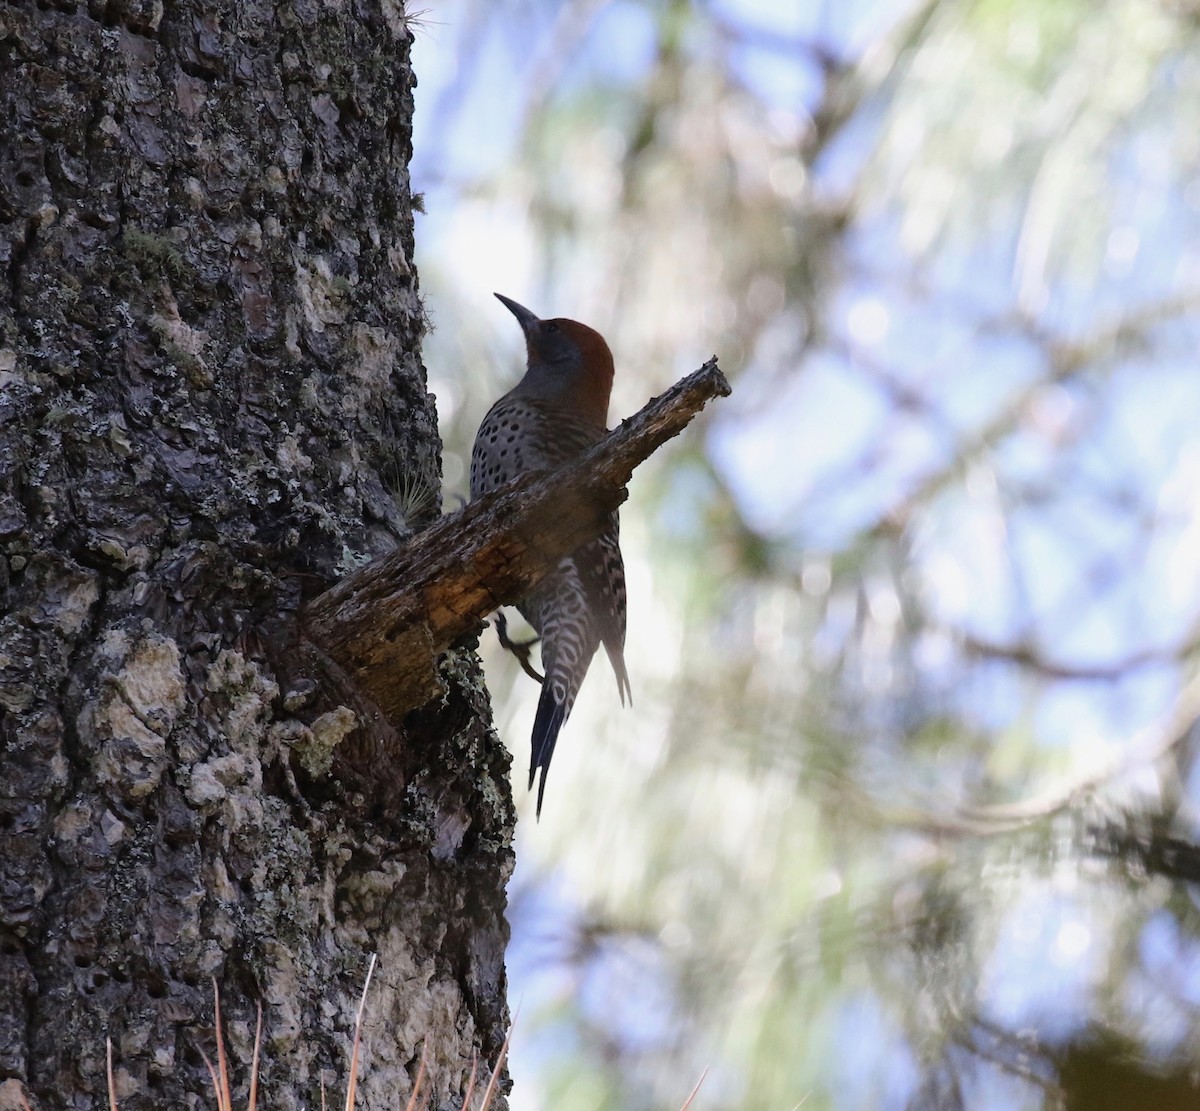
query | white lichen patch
[351, 560]
[459, 667]
[170, 327]
[136, 710]
[72, 606]
[211, 781]
[411, 1006]
[151, 682]
[289, 733]
[281, 991]
[217, 884]
[248, 693]
[136, 557]
[134, 757]
[314, 745]
[375, 353]
[73, 823]
[372, 891]
[292, 457]
[112, 828]
[114, 644]
[323, 297]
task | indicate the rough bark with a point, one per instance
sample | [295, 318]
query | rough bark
[385, 624]
[211, 408]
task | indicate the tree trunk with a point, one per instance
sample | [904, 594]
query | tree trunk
[212, 407]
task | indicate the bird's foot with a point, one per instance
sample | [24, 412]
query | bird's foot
[520, 649]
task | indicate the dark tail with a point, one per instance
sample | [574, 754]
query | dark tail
[551, 713]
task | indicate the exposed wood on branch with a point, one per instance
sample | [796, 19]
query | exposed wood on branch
[386, 624]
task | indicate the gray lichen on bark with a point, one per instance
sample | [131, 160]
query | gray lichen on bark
[209, 383]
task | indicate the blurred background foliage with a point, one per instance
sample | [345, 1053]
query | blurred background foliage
[903, 816]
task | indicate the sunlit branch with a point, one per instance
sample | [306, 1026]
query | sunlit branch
[1030, 658]
[1066, 360]
[1145, 748]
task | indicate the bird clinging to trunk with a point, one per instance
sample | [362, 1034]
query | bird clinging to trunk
[555, 413]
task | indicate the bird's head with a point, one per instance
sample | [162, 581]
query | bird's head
[569, 363]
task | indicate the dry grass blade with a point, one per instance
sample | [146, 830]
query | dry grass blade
[224, 1095]
[466, 1103]
[412, 1100]
[352, 1083]
[688, 1102]
[216, 1083]
[489, 1093]
[253, 1102]
[112, 1084]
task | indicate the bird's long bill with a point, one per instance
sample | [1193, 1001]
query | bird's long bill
[525, 318]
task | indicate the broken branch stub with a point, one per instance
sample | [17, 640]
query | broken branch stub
[386, 624]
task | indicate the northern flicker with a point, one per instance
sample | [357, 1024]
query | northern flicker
[556, 412]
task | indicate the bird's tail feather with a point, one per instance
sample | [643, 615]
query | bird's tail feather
[552, 711]
[616, 657]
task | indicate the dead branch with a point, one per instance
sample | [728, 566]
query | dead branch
[386, 624]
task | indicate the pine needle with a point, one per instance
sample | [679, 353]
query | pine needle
[224, 1096]
[352, 1083]
[112, 1084]
[412, 1100]
[212, 1072]
[688, 1102]
[493, 1081]
[253, 1102]
[466, 1105]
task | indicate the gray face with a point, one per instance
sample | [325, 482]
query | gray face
[553, 345]
[570, 365]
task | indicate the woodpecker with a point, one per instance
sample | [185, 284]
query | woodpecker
[555, 413]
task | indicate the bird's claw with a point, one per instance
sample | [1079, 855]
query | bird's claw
[520, 649]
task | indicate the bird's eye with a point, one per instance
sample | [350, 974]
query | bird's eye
[550, 326]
